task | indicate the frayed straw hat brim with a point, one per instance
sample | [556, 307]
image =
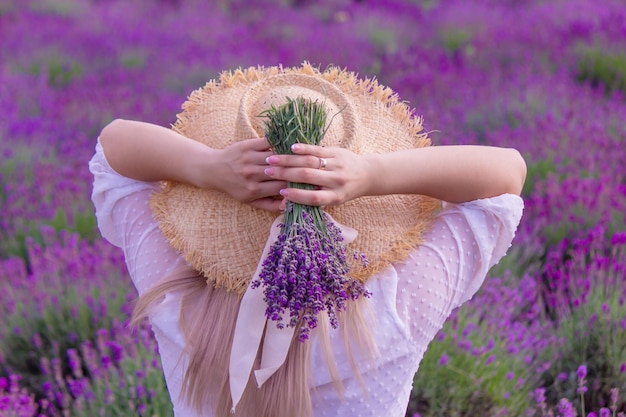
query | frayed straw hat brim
[223, 238]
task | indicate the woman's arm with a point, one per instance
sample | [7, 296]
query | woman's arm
[149, 152]
[451, 173]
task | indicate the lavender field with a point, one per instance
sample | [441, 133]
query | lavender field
[546, 335]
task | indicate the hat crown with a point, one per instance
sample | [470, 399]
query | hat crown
[341, 121]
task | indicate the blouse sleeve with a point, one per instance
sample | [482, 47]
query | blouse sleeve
[125, 219]
[109, 188]
[463, 243]
[483, 231]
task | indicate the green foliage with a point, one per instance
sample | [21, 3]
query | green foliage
[538, 171]
[455, 381]
[133, 59]
[15, 244]
[600, 66]
[483, 121]
[61, 74]
[20, 162]
[83, 223]
[7, 7]
[57, 7]
[486, 119]
[579, 220]
[426, 4]
[592, 334]
[60, 71]
[34, 331]
[19, 169]
[117, 375]
[456, 40]
[514, 264]
[384, 40]
[135, 386]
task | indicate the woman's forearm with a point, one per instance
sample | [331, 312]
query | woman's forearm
[451, 173]
[148, 152]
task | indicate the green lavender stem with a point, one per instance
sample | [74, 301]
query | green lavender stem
[297, 121]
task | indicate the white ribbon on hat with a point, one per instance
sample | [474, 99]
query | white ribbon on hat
[250, 324]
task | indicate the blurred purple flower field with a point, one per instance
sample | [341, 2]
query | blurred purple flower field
[547, 77]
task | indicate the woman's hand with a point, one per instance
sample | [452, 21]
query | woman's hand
[238, 170]
[344, 177]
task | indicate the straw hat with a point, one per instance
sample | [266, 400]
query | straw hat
[222, 238]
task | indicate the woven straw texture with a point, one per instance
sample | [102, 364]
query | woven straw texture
[223, 238]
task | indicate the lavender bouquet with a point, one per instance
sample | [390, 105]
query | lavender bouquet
[306, 270]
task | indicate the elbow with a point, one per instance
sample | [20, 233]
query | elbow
[517, 173]
[112, 139]
[111, 130]
[115, 134]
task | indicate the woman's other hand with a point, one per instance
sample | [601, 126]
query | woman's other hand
[238, 170]
[338, 174]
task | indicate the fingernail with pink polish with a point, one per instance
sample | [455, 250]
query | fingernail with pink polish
[272, 159]
[284, 192]
[269, 171]
[295, 147]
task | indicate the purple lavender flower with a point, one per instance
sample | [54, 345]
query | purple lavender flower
[540, 396]
[581, 373]
[443, 361]
[75, 387]
[106, 361]
[566, 409]
[109, 397]
[619, 238]
[117, 351]
[490, 359]
[562, 376]
[614, 398]
[46, 386]
[605, 412]
[306, 270]
[140, 391]
[17, 401]
[75, 363]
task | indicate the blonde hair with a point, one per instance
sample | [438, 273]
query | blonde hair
[207, 320]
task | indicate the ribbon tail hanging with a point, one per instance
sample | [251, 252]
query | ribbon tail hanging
[249, 328]
[252, 322]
